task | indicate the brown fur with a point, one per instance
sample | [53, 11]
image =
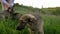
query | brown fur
[34, 24]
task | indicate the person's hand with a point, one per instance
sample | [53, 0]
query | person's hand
[8, 5]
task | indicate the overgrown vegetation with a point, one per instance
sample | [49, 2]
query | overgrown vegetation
[51, 11]
[51, 22]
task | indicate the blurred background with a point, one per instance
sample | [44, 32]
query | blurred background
[49, 10]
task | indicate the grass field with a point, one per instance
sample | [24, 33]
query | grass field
[51, 23]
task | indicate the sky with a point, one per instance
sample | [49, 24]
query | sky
[39, 3]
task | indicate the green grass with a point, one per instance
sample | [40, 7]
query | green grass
[51, 26]
[9, 27]
[51, 23]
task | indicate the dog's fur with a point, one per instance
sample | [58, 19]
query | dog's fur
[12, 14]
[35, 25]
[7, 13]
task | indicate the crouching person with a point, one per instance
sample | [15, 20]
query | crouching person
[6, 3]
[7, 7]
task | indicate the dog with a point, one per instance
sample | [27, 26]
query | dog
[10, 13]
[34, 24]
[4, 14]
[7, 13]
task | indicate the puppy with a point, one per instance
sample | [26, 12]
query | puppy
[8, 13]
[35, 25]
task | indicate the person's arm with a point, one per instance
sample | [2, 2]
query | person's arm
[11, 2]
[4, 1]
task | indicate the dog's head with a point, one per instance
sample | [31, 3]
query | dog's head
[10, 10]
[26, 19]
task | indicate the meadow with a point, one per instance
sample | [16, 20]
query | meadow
[51, 22]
